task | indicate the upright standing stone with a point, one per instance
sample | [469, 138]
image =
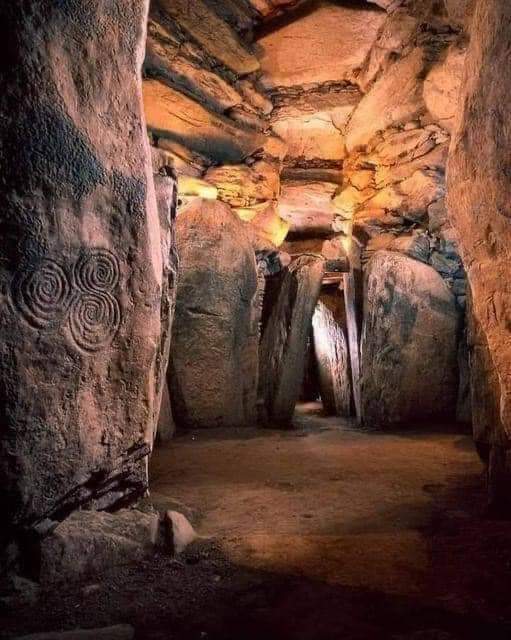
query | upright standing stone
[80, 260]
[332, 355]
[165, 183]
[213, 370]
[409, 342]
[479, 203]
[291, 301]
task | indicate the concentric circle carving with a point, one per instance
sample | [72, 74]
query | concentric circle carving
[94, 319]
[42, 294]
[97, 270]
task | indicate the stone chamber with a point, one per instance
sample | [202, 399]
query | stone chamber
[255, 335]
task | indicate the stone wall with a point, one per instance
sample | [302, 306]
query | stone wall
[479, 199]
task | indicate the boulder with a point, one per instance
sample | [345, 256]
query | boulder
[326, 44]
[332, 355]
[291, 299]
[180, 531]
[311, 137]
[213, 366]
[442, 87]
[409, 342]
[479, 189]
[173, 115]
[88, 543]
[394, 99]
[269, 225]
[394, 38]
[165, 59]
[211, 32]
[308, 207]
[81, 264]
[243, 186]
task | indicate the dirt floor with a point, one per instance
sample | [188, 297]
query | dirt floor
[324, 532]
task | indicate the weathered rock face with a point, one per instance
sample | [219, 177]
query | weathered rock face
[479, 188]
[88, 543]
[291, 299]
[325, 43]
[395, 99]
[409, 342]
[332, 356]
[484, 388]
[214, 364]
[174, 115]
[81, 265]
[166, 198]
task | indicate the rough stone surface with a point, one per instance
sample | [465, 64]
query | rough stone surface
[166, 425]
[166, 198]
[166, 59]
[479, 187]
[177, 117]
[116, 632]
[442, 87]
[308, 207]
[487, 427]
[409, 342]
[292, 299]
[326, 43]
[212, 33]
[80, 264]
[215, 323]
[181, 531]
[90, 542]
[395, 99]
[243, 186]
[332, 356]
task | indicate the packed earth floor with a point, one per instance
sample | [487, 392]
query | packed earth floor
[322, 532]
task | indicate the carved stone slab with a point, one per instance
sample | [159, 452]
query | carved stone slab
[80, 260]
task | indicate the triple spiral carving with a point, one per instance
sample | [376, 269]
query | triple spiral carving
[84, 300]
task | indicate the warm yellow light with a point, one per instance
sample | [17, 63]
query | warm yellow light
[270, 225]
[189, 187]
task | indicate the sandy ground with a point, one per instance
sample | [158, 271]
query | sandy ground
[322, 532]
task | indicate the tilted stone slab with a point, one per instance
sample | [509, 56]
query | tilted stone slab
[175, 116]
[293, 297]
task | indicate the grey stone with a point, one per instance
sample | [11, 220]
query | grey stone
[213, 369]
[90, 542]
[292, 299]
[409, 342]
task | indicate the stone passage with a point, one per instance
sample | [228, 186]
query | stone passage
[332, 355]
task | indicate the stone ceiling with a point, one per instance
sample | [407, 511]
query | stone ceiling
[324, 42]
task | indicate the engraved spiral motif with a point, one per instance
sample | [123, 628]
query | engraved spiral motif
[42, 295]
[97, 271]
[94, 319]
